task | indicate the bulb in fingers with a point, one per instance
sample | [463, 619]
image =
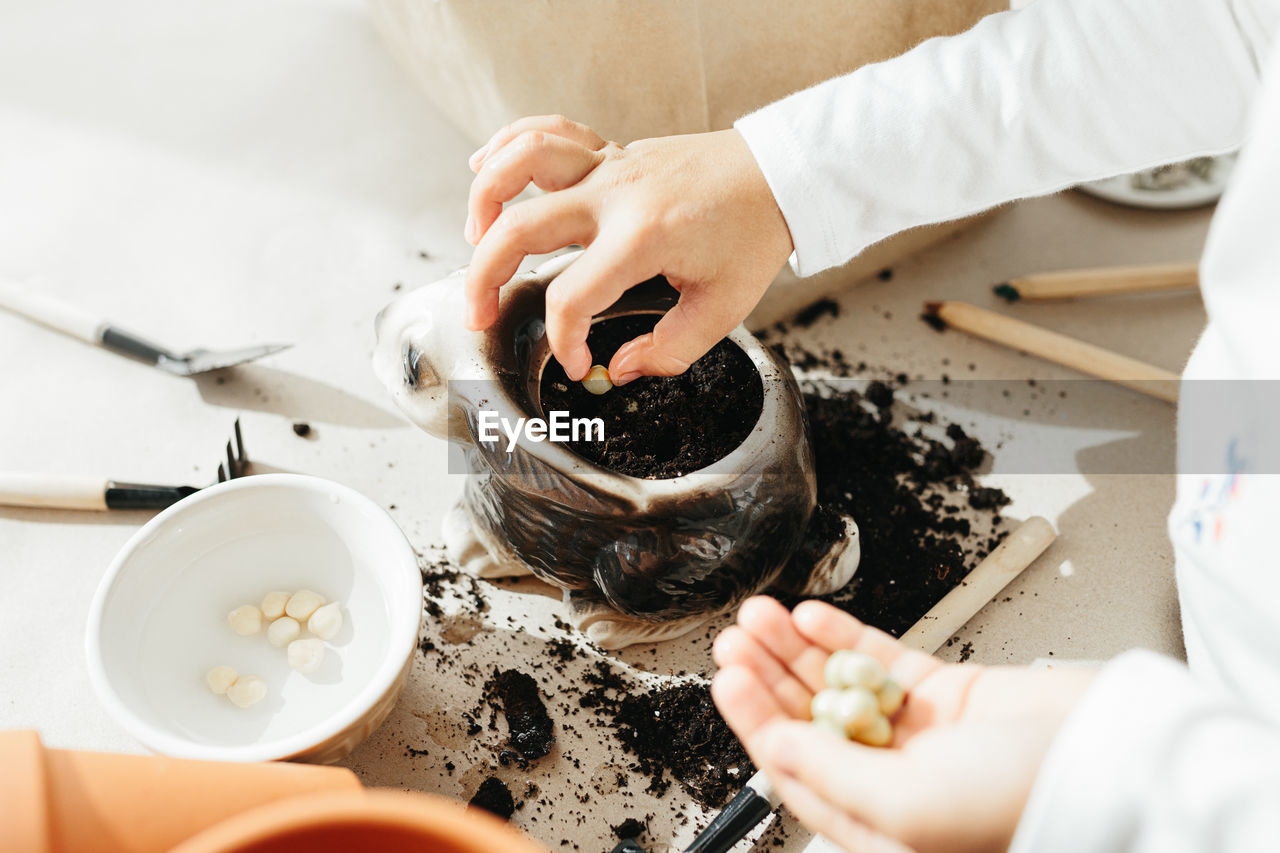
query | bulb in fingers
[597, 380]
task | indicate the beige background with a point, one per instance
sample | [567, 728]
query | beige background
[637, 69]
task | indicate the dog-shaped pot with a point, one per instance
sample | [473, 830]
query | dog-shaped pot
[640, 560]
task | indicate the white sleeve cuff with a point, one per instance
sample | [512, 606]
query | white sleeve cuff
[790, 175]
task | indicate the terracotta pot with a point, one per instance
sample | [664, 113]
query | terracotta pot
[67, 801]
[339, 822]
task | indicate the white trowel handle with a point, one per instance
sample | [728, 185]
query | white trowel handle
[78, 323]
[54, 313]
[70, 491]
[53, 491]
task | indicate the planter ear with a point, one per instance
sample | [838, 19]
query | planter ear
[640, 559]
[813, 572]
[422, 347]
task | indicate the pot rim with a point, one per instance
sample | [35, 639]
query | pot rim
[449, 821]
[777, 383]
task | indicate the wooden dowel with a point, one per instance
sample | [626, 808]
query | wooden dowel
[1058, 348]
[1018, 550]
[1101, 281]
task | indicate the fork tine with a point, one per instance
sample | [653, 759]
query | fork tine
[243, 457]
[237, 461]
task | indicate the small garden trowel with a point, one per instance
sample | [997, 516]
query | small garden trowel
[92, 329]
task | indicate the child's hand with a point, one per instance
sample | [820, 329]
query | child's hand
[694, 208]
[966, 747]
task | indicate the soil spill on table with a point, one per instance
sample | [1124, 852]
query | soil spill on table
[905, 477]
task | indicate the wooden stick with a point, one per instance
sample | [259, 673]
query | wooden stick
[1101, 281]
[1056, 347]
[1018, 550]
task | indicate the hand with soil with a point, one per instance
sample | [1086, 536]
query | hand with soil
[694, 208]
[966, 745]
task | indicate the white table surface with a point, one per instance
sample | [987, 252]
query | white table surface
[237, 172]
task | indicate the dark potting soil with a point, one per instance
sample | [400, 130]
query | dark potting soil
[494, 797]
[660, 427]
[907, 492]
[674, 733]
[985, 498]
[911, 555]
[531, 732]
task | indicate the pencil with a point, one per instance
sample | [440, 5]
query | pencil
[1100, 281]
[1053, 346]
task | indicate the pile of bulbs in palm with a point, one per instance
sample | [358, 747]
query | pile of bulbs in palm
[859, 700]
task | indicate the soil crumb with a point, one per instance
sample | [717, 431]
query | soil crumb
[629, 828]
[495, 798]
[660, 427]
[531, 732]
[816, 311]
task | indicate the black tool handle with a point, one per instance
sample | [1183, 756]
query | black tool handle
[144, 495]
[127, 343]
[733, 823]
[628, 846]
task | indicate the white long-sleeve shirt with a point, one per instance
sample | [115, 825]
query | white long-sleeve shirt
[1155, 757]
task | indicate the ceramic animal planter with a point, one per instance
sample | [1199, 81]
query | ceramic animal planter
[640, 560]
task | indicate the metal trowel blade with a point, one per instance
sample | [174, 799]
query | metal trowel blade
[203, 361]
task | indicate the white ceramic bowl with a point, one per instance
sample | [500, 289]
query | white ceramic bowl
[158, 621]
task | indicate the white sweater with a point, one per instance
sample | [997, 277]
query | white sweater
[1155, 758]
